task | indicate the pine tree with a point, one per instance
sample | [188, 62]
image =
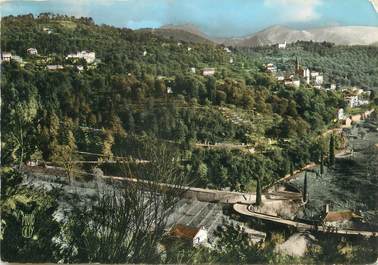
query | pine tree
[258, 192]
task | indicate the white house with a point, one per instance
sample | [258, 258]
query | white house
[331, 86]
[55, 67]
[32, 163]
[319, 80]
[208, 71]
[340, 114]
[282, 45]
[296, 83]
[197, 236]
[48, 30]
[6, 56]
[193, 70]
[292, 82]
[314, 74]
[357, 91]
[280, 77]
[354, 101]
[271, 68]
[231, 60]
[32, 51]
[80, 68]
[90, 57]
[226, 49]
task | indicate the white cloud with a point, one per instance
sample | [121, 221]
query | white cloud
[296, 10]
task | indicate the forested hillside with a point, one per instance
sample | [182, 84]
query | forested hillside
[345, 65]
[144, 86]
[144, 101]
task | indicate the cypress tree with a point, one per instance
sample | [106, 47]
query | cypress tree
[305, 188]
[291, 169]
[258, 193]
[332, 150]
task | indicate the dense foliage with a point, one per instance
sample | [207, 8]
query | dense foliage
[126, 93]
[231, 129]
[344, 65]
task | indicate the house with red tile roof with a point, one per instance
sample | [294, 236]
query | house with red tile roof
[197, 236]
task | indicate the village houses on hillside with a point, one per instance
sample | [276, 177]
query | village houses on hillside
[208, 71]
[309, 77]
[89, 57]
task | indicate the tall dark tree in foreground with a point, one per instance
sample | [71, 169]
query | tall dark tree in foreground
[331, 158]
[305, 197]
[27, 222]
[258, 192]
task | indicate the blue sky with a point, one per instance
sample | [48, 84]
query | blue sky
[221, 18]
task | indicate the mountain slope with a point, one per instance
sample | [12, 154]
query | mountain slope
[348, 35]
[178, 35]
[345, 35]
[184, 32]
[187, 28]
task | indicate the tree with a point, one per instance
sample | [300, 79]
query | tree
[65, 154]
[305, 197]
[27, 222]
[107, 146]
[234, 246]
[291, 169]
[258, 192]
[126, 224]
[23, 115]
[130, 122]
[332, 150]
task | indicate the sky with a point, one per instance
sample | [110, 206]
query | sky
[217, 18]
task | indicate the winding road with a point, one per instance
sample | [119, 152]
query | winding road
[243, 210]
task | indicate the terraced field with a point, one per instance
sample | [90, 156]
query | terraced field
[353, 182]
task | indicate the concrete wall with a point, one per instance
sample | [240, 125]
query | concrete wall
[218, 196]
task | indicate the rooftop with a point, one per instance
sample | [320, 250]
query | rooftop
[184, 231]
[340, 216]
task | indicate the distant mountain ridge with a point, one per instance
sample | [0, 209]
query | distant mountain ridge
[346, 35]
[185, 32]
[340, 35]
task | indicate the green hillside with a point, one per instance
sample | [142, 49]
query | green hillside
[126, 91]
[144, 101]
